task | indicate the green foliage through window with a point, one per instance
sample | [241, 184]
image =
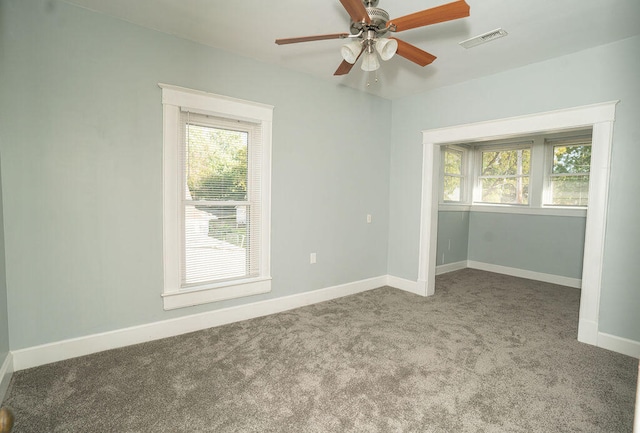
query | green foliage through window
[506, 162]
[505, 176]
[453, 180]
[216, 163]
[569, 180]
[216, 170]
[571, 159]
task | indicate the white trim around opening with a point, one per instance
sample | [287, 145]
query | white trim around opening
[601, 118]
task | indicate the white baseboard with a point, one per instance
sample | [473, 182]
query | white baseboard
[5, 375]
[523, 273]
[61, 350]
[404, 284]
[66, 349]
[450, 267]
[619, 344]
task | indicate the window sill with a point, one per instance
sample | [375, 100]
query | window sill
[520, 210]
[216, 293]
[454, 207]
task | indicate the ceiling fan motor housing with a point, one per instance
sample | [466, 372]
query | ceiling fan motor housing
[379, 18]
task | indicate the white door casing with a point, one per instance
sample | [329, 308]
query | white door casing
[598, 116]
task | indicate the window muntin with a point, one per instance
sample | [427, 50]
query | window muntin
[504, 175]
[568, 177]
[453, 178]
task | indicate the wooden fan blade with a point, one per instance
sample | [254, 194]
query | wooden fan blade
[345, 67]
[356, 10]
[413, 53]
[438, 14]
[311, 38]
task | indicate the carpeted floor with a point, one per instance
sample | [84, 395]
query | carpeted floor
[487, 353]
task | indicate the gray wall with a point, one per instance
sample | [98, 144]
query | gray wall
[540, 243]
[453, 237]
[567, 81]
[81, 139]
[4, 321]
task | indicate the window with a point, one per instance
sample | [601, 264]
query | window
[216, 197]
[540, 174]
[504, 175]
[219, 229]
[453, 178]
[568, 177]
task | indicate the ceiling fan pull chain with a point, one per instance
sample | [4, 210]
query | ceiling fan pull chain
[375, 78]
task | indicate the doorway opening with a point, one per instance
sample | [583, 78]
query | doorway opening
[600, 118]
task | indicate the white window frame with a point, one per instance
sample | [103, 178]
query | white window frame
[464, 175]
[548, 171]
[174, 100]
[477, 178]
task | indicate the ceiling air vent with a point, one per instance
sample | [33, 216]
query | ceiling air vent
[483, 38]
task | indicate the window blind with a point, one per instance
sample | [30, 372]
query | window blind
[220, 200]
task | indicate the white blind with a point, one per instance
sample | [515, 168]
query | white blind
[221, 161]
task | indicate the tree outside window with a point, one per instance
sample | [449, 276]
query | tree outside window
[453, 180]
[569, 178]
[504, 176]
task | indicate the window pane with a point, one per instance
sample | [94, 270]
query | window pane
[506, 190]
[216, 243]
[452, 188]
[571, 159]
[570, 190]
[506, 162]
[216, 163]
[452, 162]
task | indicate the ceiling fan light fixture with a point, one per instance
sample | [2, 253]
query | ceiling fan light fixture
[386, 48]
[370, 62]
[351, 51]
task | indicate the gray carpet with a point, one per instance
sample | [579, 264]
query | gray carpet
[487, 353]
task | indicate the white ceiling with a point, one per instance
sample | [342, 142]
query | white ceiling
[538, 30]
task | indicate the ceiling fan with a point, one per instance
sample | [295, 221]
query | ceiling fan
[370, 26]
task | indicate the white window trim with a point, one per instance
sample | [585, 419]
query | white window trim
[509, 209]
[526, 210]
[174, 99]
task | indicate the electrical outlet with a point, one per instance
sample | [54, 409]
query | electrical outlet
[368, 218]
[312, 258]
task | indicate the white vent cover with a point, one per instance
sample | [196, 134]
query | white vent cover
[483, 38]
